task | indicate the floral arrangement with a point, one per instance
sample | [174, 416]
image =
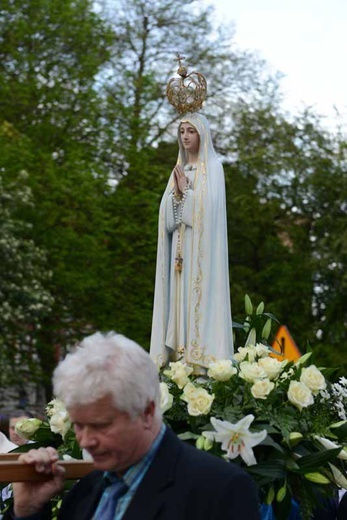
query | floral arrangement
[283, 421]
[55, 431]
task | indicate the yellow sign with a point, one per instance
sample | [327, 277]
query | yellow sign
[284, 343]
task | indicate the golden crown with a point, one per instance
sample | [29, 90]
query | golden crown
[188, 92]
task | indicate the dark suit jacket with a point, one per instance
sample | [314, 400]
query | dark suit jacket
[182, 483]
[342, 508]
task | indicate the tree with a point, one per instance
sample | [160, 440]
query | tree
[148, 34]
[325, 201]
[24, 277]
[51, 54]
[295, 173]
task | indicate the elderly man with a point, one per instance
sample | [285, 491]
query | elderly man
[143, 471]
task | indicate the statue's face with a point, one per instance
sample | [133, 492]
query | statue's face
[190, 138]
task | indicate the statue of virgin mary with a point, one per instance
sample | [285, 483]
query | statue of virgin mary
[191, 314]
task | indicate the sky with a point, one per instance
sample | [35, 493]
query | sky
[306, 40]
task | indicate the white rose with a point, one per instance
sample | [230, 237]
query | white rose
[26, 428]
[60, 423]
[198, 399]
[239, 356]
[251, 372]
[55, 406]
[166, 399]
[221, 370]
[189, 390]
[262, 388]
[179, 373]
[243, 352]
[300, 395]
[262, 350]
[313, 378]
[272, 366]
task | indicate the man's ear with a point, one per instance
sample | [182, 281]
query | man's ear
[148, 414]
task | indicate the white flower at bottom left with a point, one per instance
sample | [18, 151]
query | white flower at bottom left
[26, 428]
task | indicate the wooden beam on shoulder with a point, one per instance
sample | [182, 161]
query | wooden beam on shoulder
[13, 471]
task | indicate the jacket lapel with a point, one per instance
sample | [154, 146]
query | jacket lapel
[149, 497]
[87, 503]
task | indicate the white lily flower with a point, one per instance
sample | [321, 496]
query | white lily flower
[236, 439]
[330, 445]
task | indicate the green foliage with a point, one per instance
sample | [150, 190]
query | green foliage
[24, 279]
[50, 56]
[286, 186]
[300, 451]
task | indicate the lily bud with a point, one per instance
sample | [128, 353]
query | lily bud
[251, 338]
[338, 424]
[207, 444]
[295, 437]
[270, 496]
[248, 305]
[281, 493]
[266, 329]
[199, 443]
[260, 308]
[303, 359]
[317, 478]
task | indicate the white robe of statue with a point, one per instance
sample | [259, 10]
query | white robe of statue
[191, 313]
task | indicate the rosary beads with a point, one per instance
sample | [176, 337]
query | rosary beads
[178, 205]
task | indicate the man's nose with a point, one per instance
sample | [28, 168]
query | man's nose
[86, 438]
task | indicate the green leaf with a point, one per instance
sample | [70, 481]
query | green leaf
[268, 441]
[341, 432]
[186, 436]
[315, 461]
[272, 316]
[291, 465]
[274, 469]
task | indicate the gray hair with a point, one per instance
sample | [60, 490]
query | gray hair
[109, 364]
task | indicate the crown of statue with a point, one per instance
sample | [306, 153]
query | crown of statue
[188, 92]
